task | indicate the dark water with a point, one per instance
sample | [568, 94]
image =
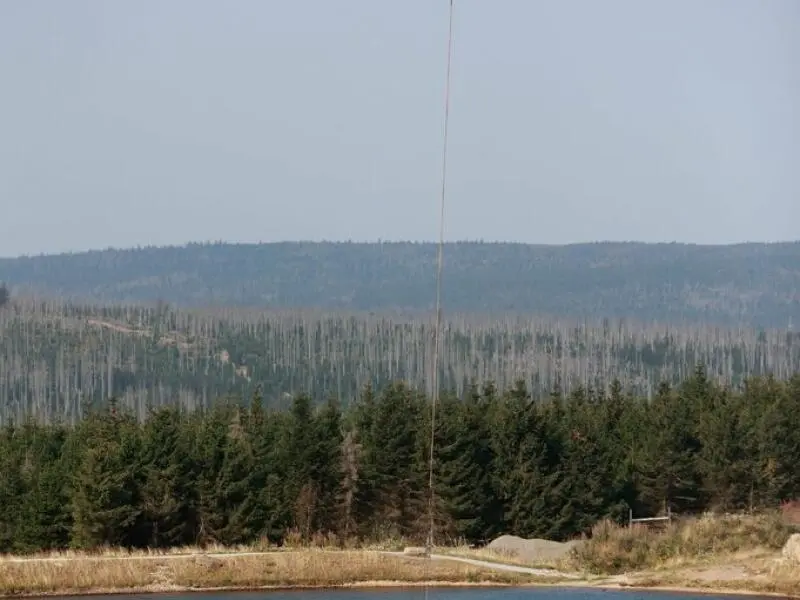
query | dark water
[433, 594]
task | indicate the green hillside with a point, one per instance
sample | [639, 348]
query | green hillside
[750, 284]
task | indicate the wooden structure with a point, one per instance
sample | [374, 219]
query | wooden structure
[650, 521]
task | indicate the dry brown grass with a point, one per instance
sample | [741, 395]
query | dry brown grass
[120, 553]
[293, 542]
[613, 549]
[756, 576]
[734, 553]
[81, 574]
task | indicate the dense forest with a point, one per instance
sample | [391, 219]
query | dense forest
[56, 357]
[232, 393]
[745, 284]
[506, 462]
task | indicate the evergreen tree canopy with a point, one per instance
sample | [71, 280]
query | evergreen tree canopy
[504, 462]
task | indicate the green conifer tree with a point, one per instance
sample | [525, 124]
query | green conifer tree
[104, 499]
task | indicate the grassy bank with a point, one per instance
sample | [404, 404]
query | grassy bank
[613, 549]
[177, 571]
[732, 552]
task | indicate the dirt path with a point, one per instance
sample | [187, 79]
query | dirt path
[164, 340]
[539, 572]
[117, 327]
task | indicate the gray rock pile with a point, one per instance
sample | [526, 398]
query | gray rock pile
[531, 551]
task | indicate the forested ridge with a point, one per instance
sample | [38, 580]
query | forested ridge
[56, 357]
[170, 396]
[742, 284]
[506, 462]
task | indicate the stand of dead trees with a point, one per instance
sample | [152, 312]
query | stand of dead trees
[56, 357]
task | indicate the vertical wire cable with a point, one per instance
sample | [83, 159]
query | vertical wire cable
[439, 265]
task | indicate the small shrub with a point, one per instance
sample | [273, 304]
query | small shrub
[614, 549]
[324, 540]
[293, 539]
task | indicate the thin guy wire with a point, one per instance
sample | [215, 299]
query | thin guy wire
[437, 333]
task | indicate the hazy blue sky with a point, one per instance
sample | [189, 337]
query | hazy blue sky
[156, 122]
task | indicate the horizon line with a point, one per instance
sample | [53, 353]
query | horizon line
[380, 241]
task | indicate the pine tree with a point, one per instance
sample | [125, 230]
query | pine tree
[299, 452]
[536, 476]
[772, 428]
[105, 506]
[466, 462]
[208, 457]
[327, 464]
[585, 487]
[669, 478]
[12, 488]
[265, 514]
[618, 423]
[397, 464]
[346, 521]
[360, 483]
[166, 487]
[237, 496]
[45, 518]
[508, 434]
[722, 458]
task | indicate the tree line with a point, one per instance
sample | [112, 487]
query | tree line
[505, 462]
[743, 284]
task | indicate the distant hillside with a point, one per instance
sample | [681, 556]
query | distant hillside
[752, 284]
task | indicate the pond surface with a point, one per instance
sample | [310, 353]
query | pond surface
[528, 593]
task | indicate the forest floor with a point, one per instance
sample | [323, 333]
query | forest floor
[757, 572]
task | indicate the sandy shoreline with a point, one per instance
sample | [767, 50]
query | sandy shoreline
[688, 590]
[155, 590]
[118, 573]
